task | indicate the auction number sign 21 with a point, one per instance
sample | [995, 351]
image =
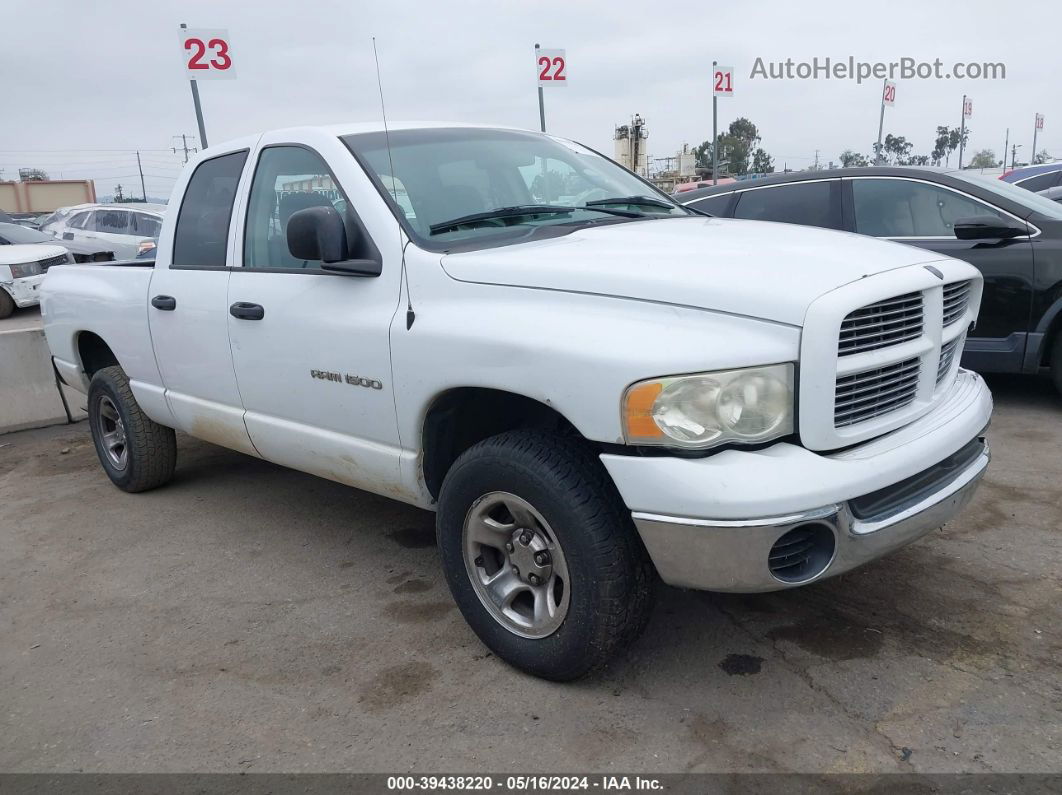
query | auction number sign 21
[207, 54]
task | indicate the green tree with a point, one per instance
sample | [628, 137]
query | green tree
[850, 159]
[897, 147]
[985, 158]
[940, 146]
[1041, 157]
[736, 147]
[762, 163]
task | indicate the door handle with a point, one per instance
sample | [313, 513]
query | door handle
[246, 311]
[167, 303]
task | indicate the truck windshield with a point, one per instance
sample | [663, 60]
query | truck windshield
[467, 187]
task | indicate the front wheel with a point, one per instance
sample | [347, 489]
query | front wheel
[541, 555]
[136, 452]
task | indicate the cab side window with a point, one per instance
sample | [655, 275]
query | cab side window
[905, 208]
[201, 238]
[287, 179]
[80, 220]
[804, 203]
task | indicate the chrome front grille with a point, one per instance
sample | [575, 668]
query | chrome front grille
[947, 356]
[881, 324]
[871, 393]
[956, 299]
[50, 261]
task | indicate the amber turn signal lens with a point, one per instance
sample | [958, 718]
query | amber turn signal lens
[638, 411]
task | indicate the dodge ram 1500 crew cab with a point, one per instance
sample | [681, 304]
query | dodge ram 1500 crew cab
[591, 385]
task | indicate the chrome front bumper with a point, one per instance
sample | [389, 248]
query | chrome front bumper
[734, 556]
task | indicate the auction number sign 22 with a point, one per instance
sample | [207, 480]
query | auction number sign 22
[207, 54]
[551, 66]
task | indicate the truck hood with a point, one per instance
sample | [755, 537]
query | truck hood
[21, 253]
[753, 268]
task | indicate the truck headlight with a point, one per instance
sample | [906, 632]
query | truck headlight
[751, 405]
[27, 269]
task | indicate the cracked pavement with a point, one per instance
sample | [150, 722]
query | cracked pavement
[251, 618]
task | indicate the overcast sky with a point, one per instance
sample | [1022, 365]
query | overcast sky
[86, 83]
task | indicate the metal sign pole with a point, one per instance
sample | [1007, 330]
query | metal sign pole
[198, 109]
[881, 125]
[715, 134]
[541, 101]
[962, 131]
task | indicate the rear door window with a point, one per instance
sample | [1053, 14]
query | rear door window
[713, 205]
[201, 238]
[1040, 181]
[117, 222]
[79, 221]
[805, 203]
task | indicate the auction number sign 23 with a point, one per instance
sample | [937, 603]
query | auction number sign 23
[207, 55]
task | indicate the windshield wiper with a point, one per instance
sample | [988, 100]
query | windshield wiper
[644, 201]
[520, 211]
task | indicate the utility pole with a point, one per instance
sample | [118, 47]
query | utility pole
[118, 197]
[140, 168]
[183, 147]
[1014, 156]
[198, 107]
[881, 125]
[1006, 146]
[715, 134]
[1036, 129]
[816, 160]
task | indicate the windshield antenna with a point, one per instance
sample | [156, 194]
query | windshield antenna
[410, 314]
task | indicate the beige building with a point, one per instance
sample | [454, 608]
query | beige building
[45, 196]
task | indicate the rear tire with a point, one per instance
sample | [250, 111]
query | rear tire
[7, 304]
[1056, 362]
[136, 452]
[524, 505]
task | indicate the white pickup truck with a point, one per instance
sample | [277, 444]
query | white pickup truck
[589, 384]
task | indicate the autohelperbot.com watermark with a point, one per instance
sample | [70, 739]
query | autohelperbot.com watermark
[851, 69]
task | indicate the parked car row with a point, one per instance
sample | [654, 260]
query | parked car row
[1013, 236]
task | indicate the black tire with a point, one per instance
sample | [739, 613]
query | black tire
[1056, 362]
[612, 580]
[150, 448]
[7, 305]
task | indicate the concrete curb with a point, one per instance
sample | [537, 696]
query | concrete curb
[31, 395]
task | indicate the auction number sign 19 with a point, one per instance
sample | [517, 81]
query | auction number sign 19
[207, 54]
[723, 81]
[552, 68]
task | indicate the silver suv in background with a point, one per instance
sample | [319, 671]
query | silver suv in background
[127, 230]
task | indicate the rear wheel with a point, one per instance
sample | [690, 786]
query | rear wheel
[7, 304]
[1056, 362]
[541, 555]
[136, 452]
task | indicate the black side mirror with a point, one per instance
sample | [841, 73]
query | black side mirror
[320, 234]
[988, 227]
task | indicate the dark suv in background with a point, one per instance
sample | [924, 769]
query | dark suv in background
[1013, 236]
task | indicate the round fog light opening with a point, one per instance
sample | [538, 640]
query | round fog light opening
[803, 553]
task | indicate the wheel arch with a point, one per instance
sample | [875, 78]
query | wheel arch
[93, 353]
[463, 416]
